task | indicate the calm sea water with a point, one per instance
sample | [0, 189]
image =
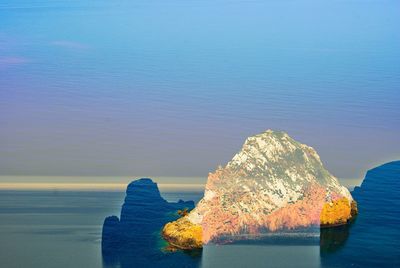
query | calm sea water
[122, 84]
[63, 229]
[113, 87]
[58, 229]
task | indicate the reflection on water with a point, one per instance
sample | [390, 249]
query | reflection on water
[332, 239]
[261, 256]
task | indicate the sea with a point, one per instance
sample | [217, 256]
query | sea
[89, 85]
[62, 228]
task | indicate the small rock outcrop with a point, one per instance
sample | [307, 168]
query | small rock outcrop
[274, 183]
[143, 214]
[183, 234]
[336, 212]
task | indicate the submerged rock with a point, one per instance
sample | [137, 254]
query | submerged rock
[274, 183]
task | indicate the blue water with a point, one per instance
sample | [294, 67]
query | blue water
[373, 240]
[63, 229]
[136, 87]
[101, 87]
[58, 229]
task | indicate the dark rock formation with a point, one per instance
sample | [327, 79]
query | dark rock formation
[111, 233]
[380, 192]
[137, 231]
[372, 241]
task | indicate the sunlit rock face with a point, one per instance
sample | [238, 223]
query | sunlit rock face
[183, 234]
[274, 183]
[336, 212]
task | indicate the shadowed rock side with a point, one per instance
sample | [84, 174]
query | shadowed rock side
[373, 240]
[273, 184]
[134, 238]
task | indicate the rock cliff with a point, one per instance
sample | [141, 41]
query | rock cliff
[274, 183]
[373, 241]
[143, 214]
[379, 193]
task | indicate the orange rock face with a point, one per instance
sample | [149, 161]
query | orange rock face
[183, 234]
[302, 214]
[339, 211]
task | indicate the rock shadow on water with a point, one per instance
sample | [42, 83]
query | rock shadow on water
[134, 239]
[372, 240]
[333, 239]
[298, 237]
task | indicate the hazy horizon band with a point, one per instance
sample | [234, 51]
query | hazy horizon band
[92, 186]
[114, 183]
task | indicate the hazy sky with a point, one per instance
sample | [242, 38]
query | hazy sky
[173, 88]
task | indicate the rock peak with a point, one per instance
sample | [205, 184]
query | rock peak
[269, 134]
[271, 152]
[273, 183]
[143, 181]
[143, 189]
[273, 132]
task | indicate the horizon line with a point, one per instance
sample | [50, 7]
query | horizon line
[120, 186]
[91, 186]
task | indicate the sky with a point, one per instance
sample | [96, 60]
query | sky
[173, 88]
